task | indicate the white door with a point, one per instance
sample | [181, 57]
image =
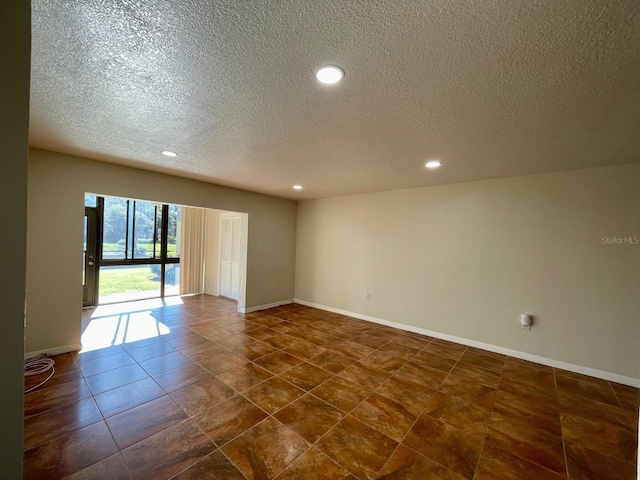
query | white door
[236, 226]
[230, 232]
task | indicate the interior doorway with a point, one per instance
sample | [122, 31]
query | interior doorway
[132, 250]
[137, 249]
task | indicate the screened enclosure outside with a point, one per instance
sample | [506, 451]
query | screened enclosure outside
[133, 230]
[138, 249]
[122, 283]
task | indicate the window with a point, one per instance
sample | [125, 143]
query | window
[173, 232]
[115, 227]
[132, 229]
[147, 230]
[140, 249]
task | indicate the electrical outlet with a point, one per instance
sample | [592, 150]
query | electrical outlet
[273, 286]
[367, 295]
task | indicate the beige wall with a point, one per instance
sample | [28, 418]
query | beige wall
[15, 52]
[57, 184]
[466, 259]
[212, 251]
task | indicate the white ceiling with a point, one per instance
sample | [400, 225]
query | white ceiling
[492, 88]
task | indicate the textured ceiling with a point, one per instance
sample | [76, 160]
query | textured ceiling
[493, 88]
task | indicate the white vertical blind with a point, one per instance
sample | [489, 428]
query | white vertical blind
[192, 250]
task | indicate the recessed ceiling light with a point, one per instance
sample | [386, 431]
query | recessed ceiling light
[297, 187]
[167, 153]
[329, 74]
[433, 164]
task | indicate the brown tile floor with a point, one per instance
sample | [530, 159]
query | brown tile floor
[299, 393]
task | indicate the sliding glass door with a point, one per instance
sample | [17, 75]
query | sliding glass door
[138, 254]
[89, 256]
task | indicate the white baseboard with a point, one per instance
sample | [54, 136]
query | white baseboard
[614, 377]
[268, 305]
[55, 350]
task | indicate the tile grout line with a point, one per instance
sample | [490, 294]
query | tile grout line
[314, 444]
[351, 334]
[401, 442]
[435, 419]
[564, 444]
[188, 418]
[486, 430]
[104, 419]
[218, 448]
[561, 436]
[353, 409]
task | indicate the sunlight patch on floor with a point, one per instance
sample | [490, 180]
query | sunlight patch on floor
[123, 328]
[151, 304]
